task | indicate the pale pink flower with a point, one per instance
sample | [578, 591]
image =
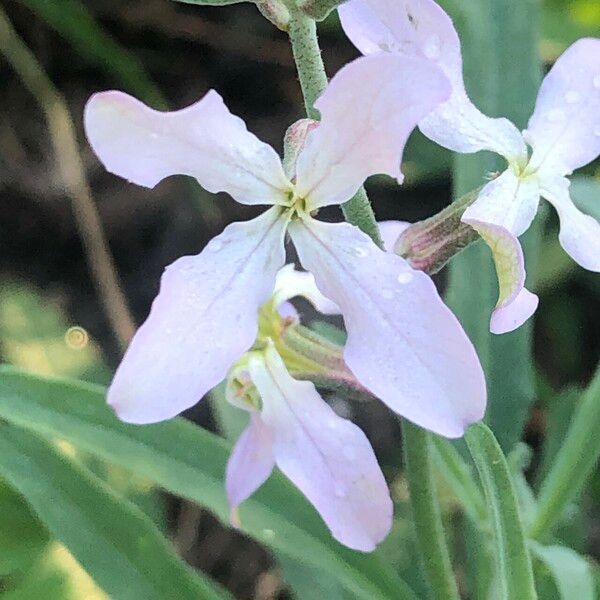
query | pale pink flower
[563, 135]
[404, 344]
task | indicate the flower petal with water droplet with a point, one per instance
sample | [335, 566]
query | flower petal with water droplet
[327, 457]
[564, 130]
[203, 140]
[403, 344]
[367, 111]
[421, 28]
[201, 322]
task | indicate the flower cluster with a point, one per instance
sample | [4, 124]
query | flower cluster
[213, 318]
[563, 134]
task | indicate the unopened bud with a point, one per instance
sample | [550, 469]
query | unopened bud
[428, 245]
[293, 142]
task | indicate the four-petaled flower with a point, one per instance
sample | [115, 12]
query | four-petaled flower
[404, 345]
[326, 456]
[563, 134]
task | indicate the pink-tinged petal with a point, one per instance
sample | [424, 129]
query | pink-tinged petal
[250, 463]
[579, 233]
[202, 321]
[403, 344]
[420, 28]
[203, 140]
[291, 283]
[515, 303]
[367, 113]
[564, 130]
[508, 202]
[327, 457]
[390, 232]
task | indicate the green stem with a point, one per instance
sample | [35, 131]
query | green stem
[302, 31]
[573, 464]
[426, 513]
[513, 563]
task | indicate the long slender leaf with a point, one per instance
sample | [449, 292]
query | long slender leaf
[190, 462]
[114, 541]
[571, 573]
[514, 570]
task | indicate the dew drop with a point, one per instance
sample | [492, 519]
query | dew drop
[340, 490]
[597, 82]
[405, 277]
[332, 424]
[432, 48]
[572, 97]
[387, 294]
[360, 252]
[349, 452]
[556, 115]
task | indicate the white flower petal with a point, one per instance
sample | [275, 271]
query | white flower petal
[327, 457]
[291, 283]
[203, 140]
[515, 303]
[564, 130]
[579, 233]
[506, 201]
[403, 344]
[420, 28]
[202, 321]
[367, 113]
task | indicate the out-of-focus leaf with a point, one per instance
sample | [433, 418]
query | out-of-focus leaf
[73, 21]
[190, 462]
[35, 335]
[571, 572]
[513, 564]
[114, 541]
[22, 537]
[212, 2]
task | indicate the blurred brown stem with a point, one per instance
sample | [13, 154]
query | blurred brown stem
[64, 141]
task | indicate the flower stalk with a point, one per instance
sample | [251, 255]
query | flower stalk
[302, 31]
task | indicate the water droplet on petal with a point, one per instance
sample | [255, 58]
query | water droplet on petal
[360, 252]
[387, 294]
[340, 490]
[432, 49]
[332, 424]
[349, 452]
[405, 277]
[597, 82]
[572, 97]
[555, 115]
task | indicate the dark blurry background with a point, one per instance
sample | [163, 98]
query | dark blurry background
[170, 55]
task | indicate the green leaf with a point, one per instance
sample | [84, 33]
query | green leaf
[513, 565]
[112, 539]
[571, 572]
[22, 537]
[573, 464]
[451, 467]
[73, 21]
[502, 75]
[190, 462]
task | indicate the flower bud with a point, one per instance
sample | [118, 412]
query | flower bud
[428, 245]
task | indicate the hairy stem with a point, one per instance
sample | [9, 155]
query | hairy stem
[302, 31]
